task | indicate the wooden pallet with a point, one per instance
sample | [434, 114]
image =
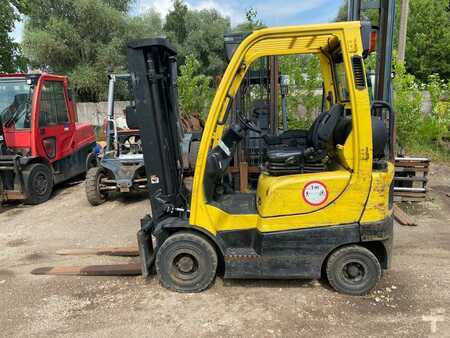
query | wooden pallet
[410, 181]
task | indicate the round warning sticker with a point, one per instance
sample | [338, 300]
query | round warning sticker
[315, 193]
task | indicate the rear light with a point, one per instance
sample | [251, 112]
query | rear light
[50, 146]
[373, 41]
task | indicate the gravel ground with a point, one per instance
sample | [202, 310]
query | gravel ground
[411, 296]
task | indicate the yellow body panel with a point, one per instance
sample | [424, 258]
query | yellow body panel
[377, 207]
[349, 186]
[345, 153]
[284, 195]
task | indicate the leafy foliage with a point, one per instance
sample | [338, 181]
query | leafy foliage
[70, 37]
[428, 36]
[407, 105]
[428, 39]
[10, 52]
[304, 82]
[415, 128]
[176, 21]
[198, 33]
[194, 89]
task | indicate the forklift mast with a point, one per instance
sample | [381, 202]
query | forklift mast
[153, 69]
[382, 99]
[385, 41]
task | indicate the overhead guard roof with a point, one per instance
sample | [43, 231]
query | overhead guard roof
[160, 42]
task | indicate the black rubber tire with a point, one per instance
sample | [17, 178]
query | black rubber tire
[199, 255]
[366, 270]
[38, 181]
[193, 153]
[91, 161]
[92, 186]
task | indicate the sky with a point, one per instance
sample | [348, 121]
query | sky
[271, 12]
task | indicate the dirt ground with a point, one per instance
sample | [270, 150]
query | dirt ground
[412, 299]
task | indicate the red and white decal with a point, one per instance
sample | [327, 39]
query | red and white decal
[315, 193]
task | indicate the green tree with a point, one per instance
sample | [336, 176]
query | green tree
[304, 81]
[84, 39]
[194, 89]
[428, 39]
[10, 53]
[428, 36]
[198, 33]
[176, 21]
[204, 40]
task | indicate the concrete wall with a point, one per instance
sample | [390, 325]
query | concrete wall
[95, 113]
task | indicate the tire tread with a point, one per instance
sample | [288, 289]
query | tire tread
[92, 193]
[196, 238]
[351, 249]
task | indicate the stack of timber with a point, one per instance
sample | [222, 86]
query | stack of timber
[410, 181]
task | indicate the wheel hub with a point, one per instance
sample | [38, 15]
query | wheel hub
[40, 184]
[186, 264]
[354, 271]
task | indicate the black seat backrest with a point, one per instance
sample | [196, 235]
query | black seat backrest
[321, 132]
[131, 117]
[343, 130]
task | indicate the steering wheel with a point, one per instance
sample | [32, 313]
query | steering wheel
[248, 124]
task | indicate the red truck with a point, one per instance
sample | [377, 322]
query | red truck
[41, 142]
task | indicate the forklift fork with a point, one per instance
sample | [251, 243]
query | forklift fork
[146, 252]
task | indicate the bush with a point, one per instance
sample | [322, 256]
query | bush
[407, 105]
[305, 79]
[194, 89]
[415, 129]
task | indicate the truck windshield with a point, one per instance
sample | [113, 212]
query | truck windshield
[15, 102]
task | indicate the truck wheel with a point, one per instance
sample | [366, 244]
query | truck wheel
[38, 181]
[353, 270]
[92, 186]
[186, 262]
[193, 153]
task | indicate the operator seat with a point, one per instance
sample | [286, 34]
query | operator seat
[291, 160]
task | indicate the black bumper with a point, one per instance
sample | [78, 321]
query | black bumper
[11, 182]
[382, 232]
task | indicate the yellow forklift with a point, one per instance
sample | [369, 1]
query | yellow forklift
[322, 203]
[322, 206]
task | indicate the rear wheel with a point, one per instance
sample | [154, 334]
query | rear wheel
[91, 161]
[38, 181]
[186, 262]
[93, 183]
[353, 270]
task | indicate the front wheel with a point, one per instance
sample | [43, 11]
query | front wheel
[186, 262]
[353, 270]
[38, 181]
